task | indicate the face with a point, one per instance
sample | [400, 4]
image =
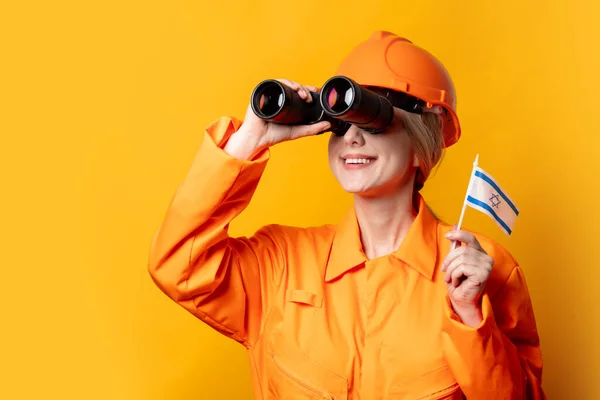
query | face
[373, 164]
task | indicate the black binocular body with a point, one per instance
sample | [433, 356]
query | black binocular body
[341, 101]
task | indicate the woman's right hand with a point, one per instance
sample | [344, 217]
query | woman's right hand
[256, 134]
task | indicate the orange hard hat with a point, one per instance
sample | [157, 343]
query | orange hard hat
[390, 61]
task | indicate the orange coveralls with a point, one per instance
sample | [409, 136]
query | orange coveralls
[318, 319]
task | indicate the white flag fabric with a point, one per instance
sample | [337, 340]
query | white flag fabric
[486, 196]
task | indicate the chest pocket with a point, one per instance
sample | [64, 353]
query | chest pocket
[292, 373]
[302, 316]
[437, 384]
[304, 297]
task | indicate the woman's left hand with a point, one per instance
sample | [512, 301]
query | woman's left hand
[467, 268]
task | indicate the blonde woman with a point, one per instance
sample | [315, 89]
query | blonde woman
[377, 306]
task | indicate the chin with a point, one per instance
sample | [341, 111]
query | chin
[359, 189]
[374, 189]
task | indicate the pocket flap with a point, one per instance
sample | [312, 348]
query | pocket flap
[439, 383]
[301, 372]
[304, 297]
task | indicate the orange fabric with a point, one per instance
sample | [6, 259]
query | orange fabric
[321, 321]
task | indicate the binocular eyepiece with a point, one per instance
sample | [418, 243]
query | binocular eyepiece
[341, 101]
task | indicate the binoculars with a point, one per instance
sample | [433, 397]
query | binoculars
[341, 101]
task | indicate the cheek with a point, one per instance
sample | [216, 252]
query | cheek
[398, 157]
[402, 158]
[333, 148]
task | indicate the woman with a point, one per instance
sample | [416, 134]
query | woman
[376, 307]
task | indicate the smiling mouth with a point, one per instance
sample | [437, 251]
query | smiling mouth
[358, 160]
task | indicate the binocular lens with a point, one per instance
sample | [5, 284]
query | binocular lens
[269, 99]
[340, 97]
[343, 98]
[276, 102]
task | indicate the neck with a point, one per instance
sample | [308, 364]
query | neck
[384, 221]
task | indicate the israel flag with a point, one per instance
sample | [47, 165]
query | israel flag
[485, 195]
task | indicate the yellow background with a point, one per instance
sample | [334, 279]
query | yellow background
[103, 107]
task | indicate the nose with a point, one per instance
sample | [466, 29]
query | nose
[354, 137]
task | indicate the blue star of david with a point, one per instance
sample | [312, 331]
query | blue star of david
[495, 199]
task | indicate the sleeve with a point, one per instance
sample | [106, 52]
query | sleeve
[501, 358]
[229, 283]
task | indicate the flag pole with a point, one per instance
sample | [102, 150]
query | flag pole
[464, 207]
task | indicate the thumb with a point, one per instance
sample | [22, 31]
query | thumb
[309, 130]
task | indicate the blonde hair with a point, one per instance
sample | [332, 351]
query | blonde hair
[425, 133]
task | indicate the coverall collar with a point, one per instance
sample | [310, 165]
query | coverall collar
[418, 248]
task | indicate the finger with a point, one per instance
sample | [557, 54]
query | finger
[455, 243]
[454, 254]
[303, 94]
[309, 130]
[464, 272]
[457, 275]
[289, 83]
[464, 259]
[461, 273]
[307, 90]
[464, 237]
[308, 98]
[302, 91]
[312, 88]
[457, 262]
[469, 256]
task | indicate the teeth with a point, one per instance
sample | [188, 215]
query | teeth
[358, 160]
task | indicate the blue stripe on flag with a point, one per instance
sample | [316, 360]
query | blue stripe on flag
[492, 184]
[490, 210]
